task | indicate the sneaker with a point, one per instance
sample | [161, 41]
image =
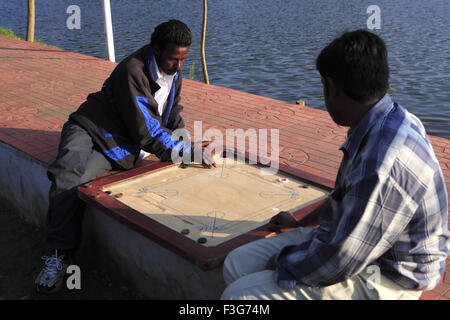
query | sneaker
[51, 278]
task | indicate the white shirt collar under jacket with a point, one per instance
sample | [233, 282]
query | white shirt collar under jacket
[164, 81]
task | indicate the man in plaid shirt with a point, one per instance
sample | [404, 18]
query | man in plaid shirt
[383, 231]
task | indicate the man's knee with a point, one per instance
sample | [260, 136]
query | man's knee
[96, 165]
[258, 285]
[230, 268]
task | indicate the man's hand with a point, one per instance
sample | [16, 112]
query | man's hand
[283, 220]
[206, 156]
[271, 265]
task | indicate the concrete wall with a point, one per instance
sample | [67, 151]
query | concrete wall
[24, 182]
[151, 270]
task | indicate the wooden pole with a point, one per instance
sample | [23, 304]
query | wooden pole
[108, 30]
[30, 22]
[205, 13]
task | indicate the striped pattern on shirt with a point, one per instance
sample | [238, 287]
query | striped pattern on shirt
[388, 208]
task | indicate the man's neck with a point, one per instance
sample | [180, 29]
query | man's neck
[359, 110]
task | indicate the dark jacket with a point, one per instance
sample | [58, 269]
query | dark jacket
[123, 117]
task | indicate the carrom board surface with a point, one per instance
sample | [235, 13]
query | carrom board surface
[205, 212]
[215, 204]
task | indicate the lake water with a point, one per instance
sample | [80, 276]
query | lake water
[269, 47]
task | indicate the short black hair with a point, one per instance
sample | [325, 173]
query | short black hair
[172, 31]
[358, 64]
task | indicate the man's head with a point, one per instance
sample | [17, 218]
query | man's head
[356, 65]
[170, 42]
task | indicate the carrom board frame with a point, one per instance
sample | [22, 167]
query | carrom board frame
[205, 257]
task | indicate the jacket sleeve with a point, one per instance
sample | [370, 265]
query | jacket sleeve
[134, 100]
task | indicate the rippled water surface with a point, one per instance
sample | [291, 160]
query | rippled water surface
[269, 47]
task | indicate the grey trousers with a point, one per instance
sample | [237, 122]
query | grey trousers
[77, 162]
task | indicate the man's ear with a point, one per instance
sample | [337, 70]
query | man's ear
[324, 81]
[156, 50]
[333, 90]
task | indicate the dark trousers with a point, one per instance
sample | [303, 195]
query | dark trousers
[77, 162]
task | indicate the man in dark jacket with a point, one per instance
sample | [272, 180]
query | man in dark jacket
[136, 110]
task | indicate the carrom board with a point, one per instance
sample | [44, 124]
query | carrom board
[202, 213]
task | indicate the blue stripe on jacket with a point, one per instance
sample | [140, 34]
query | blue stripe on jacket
[155, 130]
[120, 152]
[113, 135]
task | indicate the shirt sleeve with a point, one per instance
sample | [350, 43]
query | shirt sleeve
[133, 100]
[360, 224]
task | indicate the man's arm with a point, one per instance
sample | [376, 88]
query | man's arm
[176, 121]
[357, 227]
[133, 100]
[285, 220]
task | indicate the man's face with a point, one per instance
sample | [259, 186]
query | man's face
[331, 101]
[171, 58]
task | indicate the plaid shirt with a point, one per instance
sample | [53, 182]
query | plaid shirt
[388, 208]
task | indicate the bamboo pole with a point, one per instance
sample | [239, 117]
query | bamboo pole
[205, 13]
[30, 22]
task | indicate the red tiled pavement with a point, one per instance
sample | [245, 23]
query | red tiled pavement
[40, 86]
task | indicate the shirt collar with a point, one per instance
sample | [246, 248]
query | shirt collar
[356, 135]
[154, 70]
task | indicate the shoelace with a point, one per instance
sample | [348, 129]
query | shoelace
[52, 265]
